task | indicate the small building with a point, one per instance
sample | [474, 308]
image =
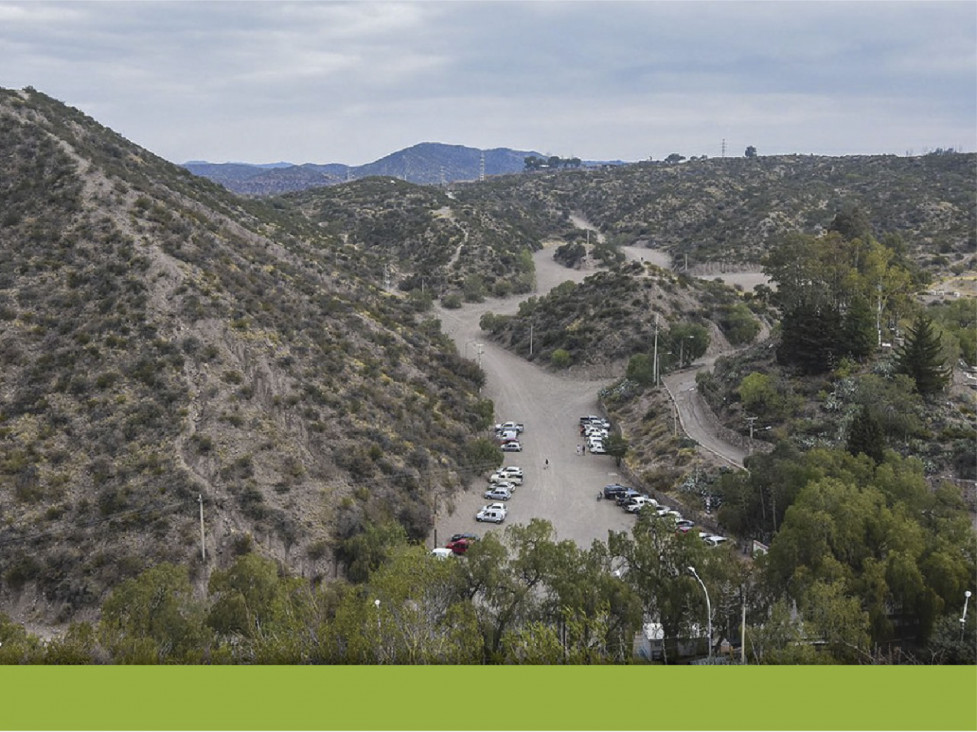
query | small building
[650, 644]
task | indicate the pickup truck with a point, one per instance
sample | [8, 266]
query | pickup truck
[516, 427]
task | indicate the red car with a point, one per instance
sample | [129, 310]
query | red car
[459, 546]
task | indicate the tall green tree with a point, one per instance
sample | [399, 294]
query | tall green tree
[866, 436]
[155, 618]
[921, 357]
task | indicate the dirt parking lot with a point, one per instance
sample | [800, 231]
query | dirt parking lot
[550, 406]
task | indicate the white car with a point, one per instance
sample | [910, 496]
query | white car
[636, 503]
[596, 447]
[497, 494]
[511, 446]
[713, 539]
[442, 552]
[496, 517]
[510, 470]
[500, 477]
[495, 507]
[507, 426]
[506, 484]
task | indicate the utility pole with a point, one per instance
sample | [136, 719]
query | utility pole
[655, 365]
[531, 327]
[743, 628]
[203, 546]
[751, 420]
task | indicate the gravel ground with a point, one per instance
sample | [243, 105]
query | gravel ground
[550, 405]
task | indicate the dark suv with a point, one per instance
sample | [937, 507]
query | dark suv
[614, 490]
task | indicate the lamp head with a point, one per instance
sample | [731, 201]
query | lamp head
[967, 593]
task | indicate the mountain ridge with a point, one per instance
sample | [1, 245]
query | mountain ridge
[426, 163]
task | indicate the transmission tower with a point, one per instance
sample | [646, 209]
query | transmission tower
[481, 167]
[724, 147]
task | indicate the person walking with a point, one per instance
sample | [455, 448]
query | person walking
[546, 464]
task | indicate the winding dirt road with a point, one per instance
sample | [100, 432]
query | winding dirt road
[550, 404]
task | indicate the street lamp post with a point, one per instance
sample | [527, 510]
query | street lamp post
[963, 618]
[708, 611]
[376, 604]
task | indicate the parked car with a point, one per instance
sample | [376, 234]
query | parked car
[459, 546]
[470, 537]
[442, 552]
[507, 435]
[507, 484]
[684, 525]
[496, 517]
[495, 507]
[506, 426]
[713, 539]
[511, 446]
[597, 447]
[638, 502]
[500, 477]
[510, 470]
[497, 494]
[613, 490]
[626, 495]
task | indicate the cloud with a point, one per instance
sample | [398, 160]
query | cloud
[352, 81]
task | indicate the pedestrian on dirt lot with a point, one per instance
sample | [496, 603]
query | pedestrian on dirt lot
[546, 465]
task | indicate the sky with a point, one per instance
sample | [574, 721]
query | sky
[350, 82]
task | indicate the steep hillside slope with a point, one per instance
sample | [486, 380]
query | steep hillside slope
[162, 340]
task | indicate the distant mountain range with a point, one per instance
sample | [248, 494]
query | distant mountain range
[427, 163]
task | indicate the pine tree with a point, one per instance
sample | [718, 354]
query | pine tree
[921, 357]
[865, 436]
[858, 332]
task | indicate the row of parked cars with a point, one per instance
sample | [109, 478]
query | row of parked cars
[633, 501]
[507, 433]
[595, 431]
[502, 486]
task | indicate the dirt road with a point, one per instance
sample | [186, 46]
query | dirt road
[550, 404]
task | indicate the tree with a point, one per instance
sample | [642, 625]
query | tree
[686, 341]
[738, 324]
[921, 357]
[641, 369]
[758, 394]
[154, 618]
[858, 329]
[852, 223]
[750, 151]
[560, 358]
[866, 436]
[674, 158]
[617, 447]
[810, 336]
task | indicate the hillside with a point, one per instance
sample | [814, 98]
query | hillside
[164, 340]
[708, 213]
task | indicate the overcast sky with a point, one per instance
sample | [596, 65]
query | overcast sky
[349, 82]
